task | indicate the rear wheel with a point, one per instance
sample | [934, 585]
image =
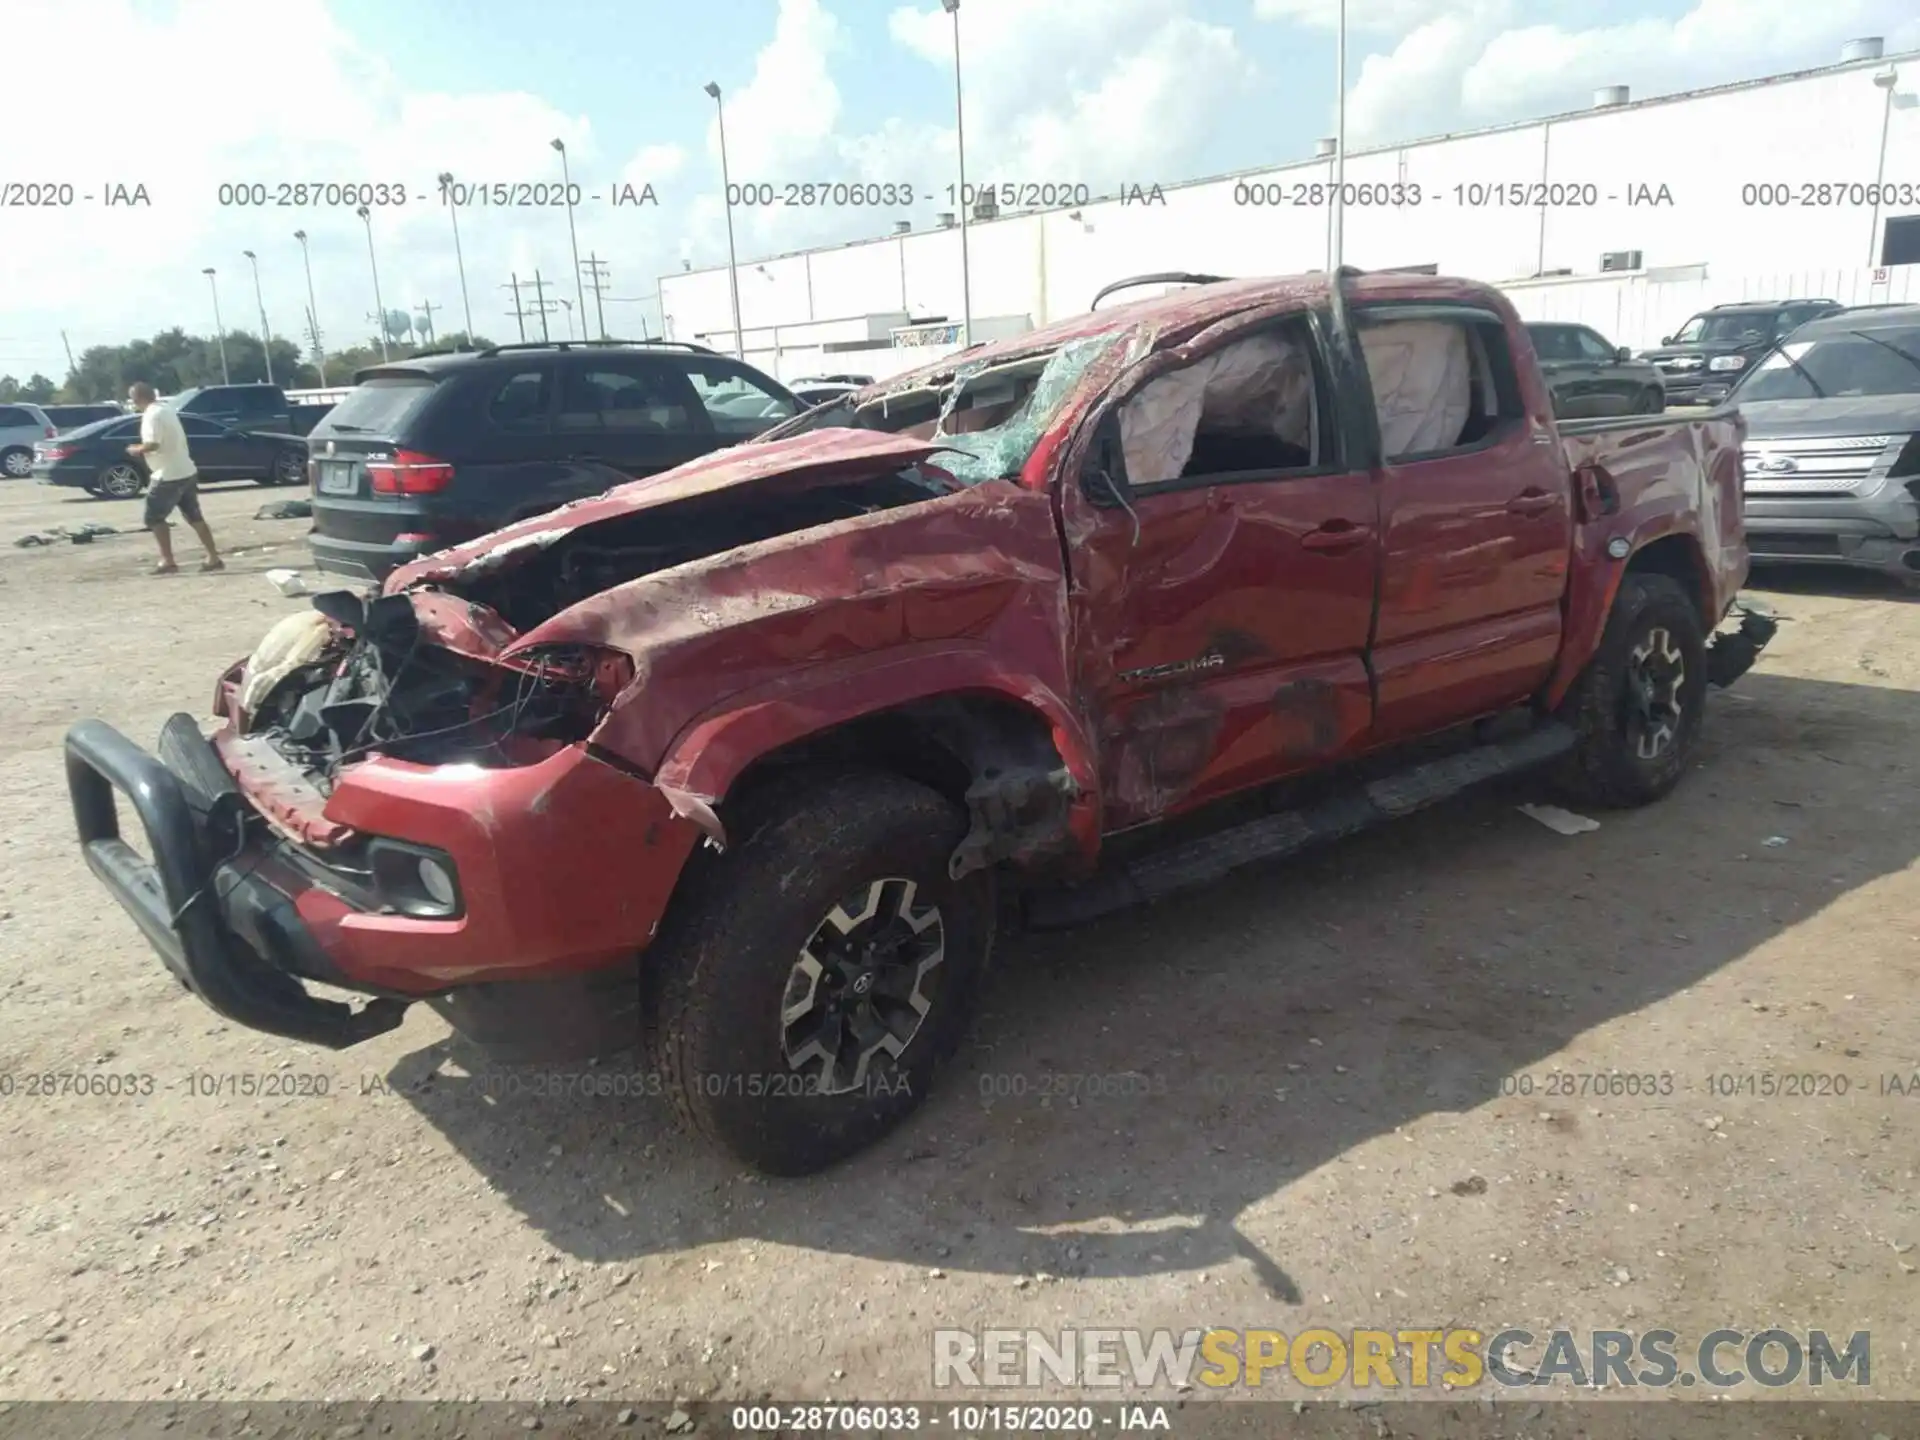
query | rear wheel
[1637, 706]
[17, 463]
[806, 986]
[118, 482]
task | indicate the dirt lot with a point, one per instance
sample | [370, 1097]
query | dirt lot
[1325, 1137]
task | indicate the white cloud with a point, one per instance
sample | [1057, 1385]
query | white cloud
[1474, 65]
[1393, 17]
[213, 98]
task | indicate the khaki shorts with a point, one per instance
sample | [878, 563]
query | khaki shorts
[166, 496]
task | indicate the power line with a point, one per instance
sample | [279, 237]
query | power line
[597, 268]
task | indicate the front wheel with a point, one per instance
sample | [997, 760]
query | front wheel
[1637, 707]
[17, 463]
[1650, 402]
[808, 983]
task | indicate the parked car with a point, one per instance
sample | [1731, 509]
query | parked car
[1589, 375]
[1703, 358]
[977, 632]
[260, 409]
[1832, 458]
[22, 426]
[72, 417]
[440, 448]
[94, 458]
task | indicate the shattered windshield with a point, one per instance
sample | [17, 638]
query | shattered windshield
[991, 414]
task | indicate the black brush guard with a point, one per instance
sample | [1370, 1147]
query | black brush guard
[224, 932]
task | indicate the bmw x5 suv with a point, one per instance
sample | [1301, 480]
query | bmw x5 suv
[427, 452]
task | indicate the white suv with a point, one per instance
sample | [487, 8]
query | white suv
[21, 428]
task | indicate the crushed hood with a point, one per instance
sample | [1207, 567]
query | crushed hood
[801, 462]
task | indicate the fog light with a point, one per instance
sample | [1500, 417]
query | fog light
[435, 880]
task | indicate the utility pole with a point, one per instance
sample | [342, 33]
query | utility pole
[380, 334]
[519, 314]
[319, 353]
[427, 307]
[597, 268]
[540, 304]
[73, 369]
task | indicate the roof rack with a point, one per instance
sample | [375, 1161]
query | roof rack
[1763, 304]
[1159, 277]
[588, 345]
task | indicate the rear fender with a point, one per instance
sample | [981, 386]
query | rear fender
[1595, 582]
[704, 760]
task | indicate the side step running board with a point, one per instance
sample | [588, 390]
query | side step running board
[1157, 875]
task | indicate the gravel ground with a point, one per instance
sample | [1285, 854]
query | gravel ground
[1327, 1049]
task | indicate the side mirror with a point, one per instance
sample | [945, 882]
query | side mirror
[1666, 339]
[1625, 352]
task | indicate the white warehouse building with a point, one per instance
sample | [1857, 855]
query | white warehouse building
[1628, 216]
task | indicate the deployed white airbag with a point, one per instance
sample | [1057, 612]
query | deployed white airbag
[1422, 383]
[295, 641]
[1261, 385]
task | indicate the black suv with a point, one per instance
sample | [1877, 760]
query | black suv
[427, 452]
[1703, 358]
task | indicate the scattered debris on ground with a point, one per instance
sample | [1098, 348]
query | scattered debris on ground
[285, 510]
[1561, 822]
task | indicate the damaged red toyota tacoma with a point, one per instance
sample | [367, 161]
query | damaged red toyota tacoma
[755, 758]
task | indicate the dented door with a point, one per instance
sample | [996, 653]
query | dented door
[1224, 646]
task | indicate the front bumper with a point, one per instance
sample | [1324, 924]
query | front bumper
[565, 869]
[224, 931]
[1876, 532]
[1693, 388]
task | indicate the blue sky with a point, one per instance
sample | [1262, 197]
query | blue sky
[1094, 91]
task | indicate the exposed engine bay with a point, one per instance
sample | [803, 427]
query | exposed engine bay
[377, 683]
[359, 675]
[594, 559]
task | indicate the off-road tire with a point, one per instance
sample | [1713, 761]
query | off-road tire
[716, 976]
[1604, 767]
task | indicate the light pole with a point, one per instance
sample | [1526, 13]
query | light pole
[579, 287]
[733, 260]
[1886, 80]
[266, 335]
[952, 7]
[313, 310]
[1338, 242]
[219, 329]
[453, 211]
[379, 305]
[567, 305]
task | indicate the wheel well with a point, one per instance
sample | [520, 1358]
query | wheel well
[1675, 557]
[992, 756]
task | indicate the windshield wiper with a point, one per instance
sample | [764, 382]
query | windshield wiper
[1799, 369]
[1906, 355]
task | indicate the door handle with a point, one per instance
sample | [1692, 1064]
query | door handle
[1532, 502]
[1336, 535]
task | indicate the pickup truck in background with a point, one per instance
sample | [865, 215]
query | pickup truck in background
[257, 409]
[755, 756]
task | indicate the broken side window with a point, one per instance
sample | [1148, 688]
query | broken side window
[1250, 406]
[1440, 383]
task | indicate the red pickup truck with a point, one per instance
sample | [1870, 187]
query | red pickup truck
[753, 756]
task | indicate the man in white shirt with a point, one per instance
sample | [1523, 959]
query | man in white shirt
[176, 480]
